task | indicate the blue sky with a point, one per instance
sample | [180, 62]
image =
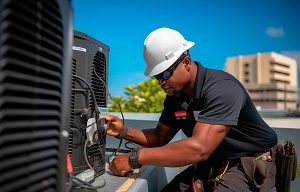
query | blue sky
[220, 28]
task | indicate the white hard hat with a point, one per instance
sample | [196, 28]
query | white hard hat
[162, 48]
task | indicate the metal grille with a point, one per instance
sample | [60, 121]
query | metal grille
[99, 64]
[72, 108]
[30, 94]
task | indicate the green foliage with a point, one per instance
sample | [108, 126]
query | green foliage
[146, 97]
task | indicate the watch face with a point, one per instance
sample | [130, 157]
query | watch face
[133, 158]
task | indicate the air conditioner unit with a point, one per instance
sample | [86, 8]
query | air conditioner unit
[90, 62]
[35, 78]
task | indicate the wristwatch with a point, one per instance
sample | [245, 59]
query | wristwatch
[133, 158]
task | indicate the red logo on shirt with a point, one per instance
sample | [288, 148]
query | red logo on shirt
[180, 114]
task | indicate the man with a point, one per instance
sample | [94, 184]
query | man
[229, 145]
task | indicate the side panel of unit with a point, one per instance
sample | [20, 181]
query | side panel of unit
[90, 61]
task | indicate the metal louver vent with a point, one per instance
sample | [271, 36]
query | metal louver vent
[72, 108]
[31, 54]
[99, 63]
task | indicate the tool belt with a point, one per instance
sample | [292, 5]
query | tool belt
[286, 165]
[255, 167]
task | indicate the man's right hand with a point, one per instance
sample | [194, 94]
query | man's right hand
[114, 125]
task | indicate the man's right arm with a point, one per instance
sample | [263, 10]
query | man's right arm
[154, 137]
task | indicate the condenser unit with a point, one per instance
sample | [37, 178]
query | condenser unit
[35, 76]
[90, 64]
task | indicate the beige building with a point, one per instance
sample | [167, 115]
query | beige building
[270, 78]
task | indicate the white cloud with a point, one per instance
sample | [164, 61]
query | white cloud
[275, 32]
[295, 54]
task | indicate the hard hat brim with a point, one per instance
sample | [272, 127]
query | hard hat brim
[159, 68]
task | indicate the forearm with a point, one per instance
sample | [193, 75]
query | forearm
[175, 154]
[145, 137]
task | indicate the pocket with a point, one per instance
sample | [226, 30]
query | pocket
[271, 167]
[255, 170]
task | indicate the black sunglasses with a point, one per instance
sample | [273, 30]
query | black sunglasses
[165, 75]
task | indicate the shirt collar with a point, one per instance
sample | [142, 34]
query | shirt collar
[198, 85]
[201, 72]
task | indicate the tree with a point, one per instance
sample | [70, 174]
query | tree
[145, 97]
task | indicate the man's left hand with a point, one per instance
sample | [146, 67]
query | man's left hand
[120, 165]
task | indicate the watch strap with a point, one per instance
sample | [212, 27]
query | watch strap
[123, 133]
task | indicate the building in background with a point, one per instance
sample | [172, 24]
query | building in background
[270, 78]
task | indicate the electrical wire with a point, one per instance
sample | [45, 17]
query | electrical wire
[69, 184]
[85, 184]
[83, 129]
[85, 155]
[80, 182]
[109, 95]
[89, 87]
[128, 142]
[96, 118]
[95, 104]
[90, 125]
[76, 180]
[118, 149]
[114, 153]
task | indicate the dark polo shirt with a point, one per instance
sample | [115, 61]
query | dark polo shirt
[220, 98]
